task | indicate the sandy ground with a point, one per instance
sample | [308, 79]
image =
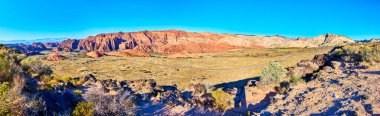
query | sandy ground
[342, 91]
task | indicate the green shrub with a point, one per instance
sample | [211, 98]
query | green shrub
[223, 100]
[315, 74]
[369, 52]
[8, 66]
[35, 67]
[273, 73]
[339, 52]
[295, 79]
[84, 109]
[65, 78]
[78, 92]
[4, 106]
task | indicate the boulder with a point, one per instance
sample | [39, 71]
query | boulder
[95, 54]
[142, 86]
[199, 89]
[90, 78]
[55, 57]
[69, 85]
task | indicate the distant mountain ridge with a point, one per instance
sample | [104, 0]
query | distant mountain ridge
[31, 41]
[178, 41]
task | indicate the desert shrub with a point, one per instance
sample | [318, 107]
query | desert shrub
[105, 104]
[77, 82]
[295, 79]
[4, 105]
[35, 67]
[78, 91]
[223, 100]
[84, 109]
[8, 66]
[65, 78]
[36, 106]
[273, 73]
[339, 52]
[369, 53]
[53, 82]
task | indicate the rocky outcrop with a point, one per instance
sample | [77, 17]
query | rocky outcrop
[51, 44]
[176, 41]
[95, 54]
[308, 67]
[39, 46]
[68, 45]
[101, 42]
[55, 57]
[27, 49]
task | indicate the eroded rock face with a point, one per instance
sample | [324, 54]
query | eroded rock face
[68, 45]
[101, 42]
[176, 41]
[306, 67]
[51, 44]
[39, 46]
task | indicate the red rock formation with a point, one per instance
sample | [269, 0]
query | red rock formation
[55, 57]
[95, 54]
[51, 44]
[68, 45]
[39, 46]
[101, 42]
[175, 41]
[33, 49]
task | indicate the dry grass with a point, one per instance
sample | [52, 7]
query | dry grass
[168, 71]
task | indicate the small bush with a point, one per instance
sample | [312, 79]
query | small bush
[65, 79]
[109, 105]
[77, 83]
[273, 73]
[84, 109]
[8, 66]
[295, 79]
[223, 100]
[35, 67]
[315, 74]
[339, 52]
[4, 106]
[369, 53]
[78, 92]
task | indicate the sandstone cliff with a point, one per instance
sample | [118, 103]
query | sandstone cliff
[68, 45]
[176, 41]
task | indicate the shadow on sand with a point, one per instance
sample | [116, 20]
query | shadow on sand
[241, 106]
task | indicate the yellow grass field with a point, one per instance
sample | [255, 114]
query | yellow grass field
[207, 68]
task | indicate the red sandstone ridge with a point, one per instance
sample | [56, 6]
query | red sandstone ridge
[51, 44]
[68, 45]
[39, 46]
[175, 41]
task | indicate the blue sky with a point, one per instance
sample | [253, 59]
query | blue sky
[27, 19]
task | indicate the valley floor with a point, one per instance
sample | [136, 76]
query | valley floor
[206, 68]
